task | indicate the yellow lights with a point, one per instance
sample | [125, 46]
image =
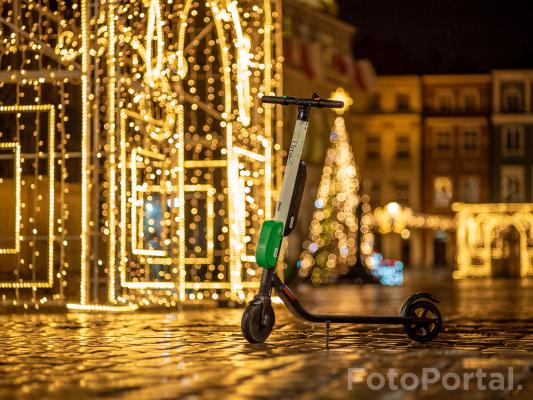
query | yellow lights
[44, 112]
[398, 219]
[195, 172]
[155, 26]
[66, 46]
[111, 139]
[393, 218]
[176, 166]
[18, 110]
[242, 45]
[15, 148]
[142, 157]
[494, 240]
[332, 246]
[341, 95]
[102, 308]
[393, 209]
[210, 216]
[85, 120]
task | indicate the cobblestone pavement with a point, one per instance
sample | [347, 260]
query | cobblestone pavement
[200, 354]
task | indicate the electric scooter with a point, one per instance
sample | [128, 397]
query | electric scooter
[420, 317]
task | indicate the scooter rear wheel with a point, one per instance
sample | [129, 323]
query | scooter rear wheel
[423, 333]
[253, 328]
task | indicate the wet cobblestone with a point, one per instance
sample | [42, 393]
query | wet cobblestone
[200, 354]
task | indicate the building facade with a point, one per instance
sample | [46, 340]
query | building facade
[455, 150]
[512, 136]
[387, 142]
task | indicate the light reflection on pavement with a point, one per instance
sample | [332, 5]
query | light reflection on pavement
[199, 353]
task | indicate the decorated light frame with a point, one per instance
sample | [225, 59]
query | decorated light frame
[101, 50]
[478, 227]
[174, 52]
[40, 76]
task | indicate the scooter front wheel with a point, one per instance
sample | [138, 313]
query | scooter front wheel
[423, 332]
[255, 326]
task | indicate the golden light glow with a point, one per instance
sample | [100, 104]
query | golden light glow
[399, 219]
[332, 246]
[102, 308]
[85, 178]
[341, 95]
[175, 132]
[483, 234]
[18, 110]
[15, 147]
[184, 172]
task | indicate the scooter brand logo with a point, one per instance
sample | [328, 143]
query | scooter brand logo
[477, 379]
[297, 143]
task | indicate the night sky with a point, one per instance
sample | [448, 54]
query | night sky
[442, 36]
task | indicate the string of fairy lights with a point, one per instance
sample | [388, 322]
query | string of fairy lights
[167, 163]
[483, 235]
[36, 148]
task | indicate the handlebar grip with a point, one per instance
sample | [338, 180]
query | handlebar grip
[284, 100]
[288, 100]
[330, 104]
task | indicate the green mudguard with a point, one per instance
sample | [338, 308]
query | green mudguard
[267, 251]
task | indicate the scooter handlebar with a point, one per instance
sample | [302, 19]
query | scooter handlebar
[289, 101]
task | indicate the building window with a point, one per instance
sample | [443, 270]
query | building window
[512, 97]
[402, 102]
[444, 101]
[375, 102]
[373, 144]
[443, 140]
[469, 189]
[471, 138]
[513, 141]
[471, 100]
[402, 147]
[402, 192]
[443, 192]
[512, 183]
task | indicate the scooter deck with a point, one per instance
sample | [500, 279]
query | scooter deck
[294, 306]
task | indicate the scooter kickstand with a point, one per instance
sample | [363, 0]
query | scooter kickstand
[327, 335]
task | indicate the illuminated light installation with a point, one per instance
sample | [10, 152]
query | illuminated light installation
[332, 246]
[19, 206]
[40, 80]
[481, 237]
[173, 164]
[196, 155]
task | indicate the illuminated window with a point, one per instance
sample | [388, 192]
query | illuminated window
[402, 192]
[512, 184]
[443, 192]
[513, 141]
[402, 102]
[402, 147]
[513, 100]
[373, 144]
[443, 140]
[471, 138]
[471, 100]
[444, 100]
[469, 189]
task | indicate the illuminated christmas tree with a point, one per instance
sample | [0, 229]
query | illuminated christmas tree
[336, 233]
